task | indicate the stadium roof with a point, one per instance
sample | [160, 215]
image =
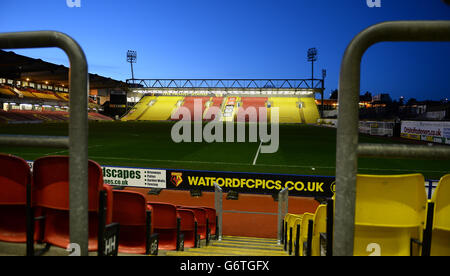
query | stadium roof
[17, 67]
[242, 84]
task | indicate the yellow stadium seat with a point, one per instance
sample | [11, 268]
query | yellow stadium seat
[285, 230]
[320, 226]
[162, 109]
[46, 96]
[290, 223]
[390, 214]
[296, 228]
[307, 217]
[440, 240]
[6, 91]
[27, 94]
[310, 110]
[289, 111]
[64, 96]
[139, 109]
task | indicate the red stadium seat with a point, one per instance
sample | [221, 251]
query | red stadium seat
[165, 223]
[51, 191]
[252, 104]
[132, 212]
[212, 219]
[188, 227]
[189, 103]
[50, 116]
[202, 220]
[15, 180]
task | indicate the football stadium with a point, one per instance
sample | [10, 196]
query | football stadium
[94, 166]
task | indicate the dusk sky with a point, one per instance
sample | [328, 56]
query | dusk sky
[240, 39]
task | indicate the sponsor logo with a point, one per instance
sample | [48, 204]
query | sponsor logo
[333, 187]
[255, 183]
[121, 173]
[176, 178]
[428, 132]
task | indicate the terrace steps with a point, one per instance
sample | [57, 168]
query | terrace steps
[236, 246]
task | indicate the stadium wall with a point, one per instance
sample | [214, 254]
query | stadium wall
[249, 216]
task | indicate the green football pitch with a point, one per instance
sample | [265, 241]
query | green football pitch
[304, 150]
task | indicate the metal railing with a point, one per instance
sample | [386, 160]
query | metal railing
[218, 204]
[77, 141]
[348, 149]
[283, 208]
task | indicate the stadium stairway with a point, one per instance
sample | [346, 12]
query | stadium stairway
[139, 109]
[309, 111]
[228, 246]
[161, 110]
[235, 246]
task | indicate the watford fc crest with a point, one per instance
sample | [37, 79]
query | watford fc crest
[176, 178]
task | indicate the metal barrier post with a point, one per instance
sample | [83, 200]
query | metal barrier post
[431, 187]
[347, 131]
[218, 197]
[77, 142]
[283, 206]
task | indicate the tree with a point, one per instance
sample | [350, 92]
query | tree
[367, 97]
[334, 94]
[411, 101]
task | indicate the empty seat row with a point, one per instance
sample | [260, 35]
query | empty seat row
[34, 208]
[392, 218]
[143, 223]
[289, 111]
[4, 91]
[139, 109]
[193, 109]
[193, 103]
[33, 93]
[252, 109]
[161, 108]
[50, 116]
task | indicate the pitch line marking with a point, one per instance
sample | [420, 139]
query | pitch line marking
[257, 153]
[236, 164]
[246, 164]
[67, 151]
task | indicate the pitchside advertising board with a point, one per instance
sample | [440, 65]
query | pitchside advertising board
[438, 132]
[256, 183]
[298, 185]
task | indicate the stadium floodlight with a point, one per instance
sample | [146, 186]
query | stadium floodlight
[312, 54]
[312, 57]
[132, 58]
